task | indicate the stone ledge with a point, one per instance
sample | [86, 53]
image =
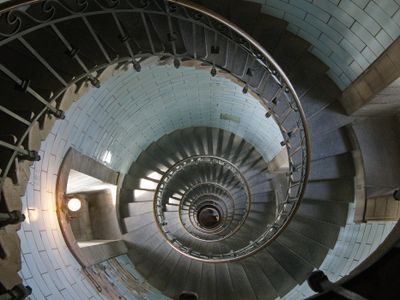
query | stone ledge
[379, 75]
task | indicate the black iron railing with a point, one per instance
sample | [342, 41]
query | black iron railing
[39, 88]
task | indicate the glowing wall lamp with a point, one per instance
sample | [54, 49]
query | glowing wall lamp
[71, 206]
[74, 204]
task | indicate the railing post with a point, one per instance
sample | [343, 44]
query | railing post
[188, 296]
[396, 195]
[320, 283]
[13, 217]
[18, 292]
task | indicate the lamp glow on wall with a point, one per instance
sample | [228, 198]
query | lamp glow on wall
[74, 204]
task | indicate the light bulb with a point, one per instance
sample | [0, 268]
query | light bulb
[74, 204]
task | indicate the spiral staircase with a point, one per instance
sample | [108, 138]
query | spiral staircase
[269, 273]
[202, 211]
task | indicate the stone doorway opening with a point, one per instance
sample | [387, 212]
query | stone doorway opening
[86, 208]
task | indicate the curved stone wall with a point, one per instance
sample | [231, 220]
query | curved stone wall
[126, 114]
[123, 117]
[347, 35]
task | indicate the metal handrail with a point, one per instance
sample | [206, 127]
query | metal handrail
[299, 171]
[187, 195]
[160, 201]
[193, 208]
[291, 203]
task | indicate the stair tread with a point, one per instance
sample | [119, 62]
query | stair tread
[314, 253]
[241, 284]
[278, 276]
[325, 233]
[340, 189]
[292, 263]
[330, 212]
[338, 166]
